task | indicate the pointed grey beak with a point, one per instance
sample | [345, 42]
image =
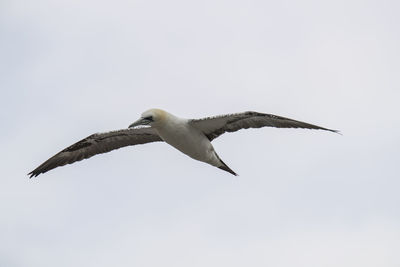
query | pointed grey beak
[141, 121]
[137, 123]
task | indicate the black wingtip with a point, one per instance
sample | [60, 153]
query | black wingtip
[333, 131]
[33, 174]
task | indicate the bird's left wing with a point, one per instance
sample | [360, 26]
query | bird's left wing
[96, 144]
[213, 127]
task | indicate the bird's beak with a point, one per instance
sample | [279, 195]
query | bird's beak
[137, 123]
[141, 121]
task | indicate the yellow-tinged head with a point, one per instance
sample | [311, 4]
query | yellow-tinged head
[150, 117]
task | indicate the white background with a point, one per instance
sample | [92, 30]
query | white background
[303, 198]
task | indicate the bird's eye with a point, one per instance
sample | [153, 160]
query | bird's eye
[149, 118]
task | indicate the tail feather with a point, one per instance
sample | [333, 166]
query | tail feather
[226, 168]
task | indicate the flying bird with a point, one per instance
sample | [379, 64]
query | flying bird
[190, 136]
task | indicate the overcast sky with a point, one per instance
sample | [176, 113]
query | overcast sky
[303, 198]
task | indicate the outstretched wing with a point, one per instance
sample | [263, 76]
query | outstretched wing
[213, 127]
[96, 144]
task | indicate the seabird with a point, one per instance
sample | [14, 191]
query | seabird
[190, 136]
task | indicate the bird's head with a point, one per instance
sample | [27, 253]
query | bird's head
[150, 117]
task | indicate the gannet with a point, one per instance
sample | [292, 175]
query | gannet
[190, 136]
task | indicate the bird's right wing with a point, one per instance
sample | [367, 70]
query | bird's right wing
[213, 127]
[96, 144]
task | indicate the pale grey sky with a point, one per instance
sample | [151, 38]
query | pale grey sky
[303, 198]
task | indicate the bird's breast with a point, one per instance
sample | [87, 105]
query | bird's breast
[188, 140]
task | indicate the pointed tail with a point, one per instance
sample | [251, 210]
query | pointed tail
[226, 168]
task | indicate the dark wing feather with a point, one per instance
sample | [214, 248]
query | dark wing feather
[96, 144]
[213, 127]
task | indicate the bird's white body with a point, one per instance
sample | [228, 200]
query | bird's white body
[179, 133]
